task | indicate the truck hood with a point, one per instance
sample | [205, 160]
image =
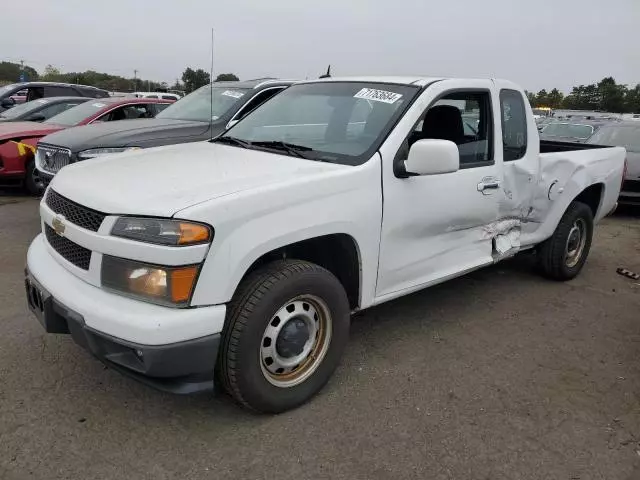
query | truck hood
[161, 181]
[13, 130]
[143, 132]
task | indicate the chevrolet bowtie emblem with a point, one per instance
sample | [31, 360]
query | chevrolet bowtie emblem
[58, 225]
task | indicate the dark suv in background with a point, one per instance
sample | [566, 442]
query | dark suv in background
[199, 116]
[35, 90]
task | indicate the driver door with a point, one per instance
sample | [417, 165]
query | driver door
[437, 226]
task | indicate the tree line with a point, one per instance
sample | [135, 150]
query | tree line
[605, 96]
[191, 79]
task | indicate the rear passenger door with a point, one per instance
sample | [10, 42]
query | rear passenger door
[438, 226]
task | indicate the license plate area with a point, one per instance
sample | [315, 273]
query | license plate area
[41, 304]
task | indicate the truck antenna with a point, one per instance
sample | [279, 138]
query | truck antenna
[328, 74]
[211, 89]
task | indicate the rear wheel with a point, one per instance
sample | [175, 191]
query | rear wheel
[33, 182]
[562, 256]
[287, 327]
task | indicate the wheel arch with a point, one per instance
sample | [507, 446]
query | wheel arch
[592, 197]
[337, 252]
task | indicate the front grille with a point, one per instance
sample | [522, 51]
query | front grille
[631, 186]
[52, 159]
[75, 213]
[70, 251]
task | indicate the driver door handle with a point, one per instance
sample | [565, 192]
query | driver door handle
[488, 184]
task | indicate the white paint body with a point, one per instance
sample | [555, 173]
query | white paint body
[410, 233]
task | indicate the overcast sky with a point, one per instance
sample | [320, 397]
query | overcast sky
[537, 43]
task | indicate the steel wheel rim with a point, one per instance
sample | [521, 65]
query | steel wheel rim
[288, 371]
[576, 241]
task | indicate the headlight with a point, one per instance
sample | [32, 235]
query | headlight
[162, 231]
[170, 286]
[96, 152]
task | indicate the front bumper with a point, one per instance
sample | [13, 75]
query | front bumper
[173, 349]
[630, 193]
[183, 367]
[111, 313]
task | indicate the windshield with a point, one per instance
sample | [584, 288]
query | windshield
[618, 136]
[23, 109]
[570, 130]
[77, 114]
[341, 122]
[8, 88]
[197, 106]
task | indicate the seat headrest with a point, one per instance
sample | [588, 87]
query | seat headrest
[443, 122]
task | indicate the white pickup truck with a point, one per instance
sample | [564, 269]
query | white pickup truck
[240, 260]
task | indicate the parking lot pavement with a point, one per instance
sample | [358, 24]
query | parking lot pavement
[497, 375]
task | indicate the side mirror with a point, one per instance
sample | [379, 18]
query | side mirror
[7, 102]
[36, 117]
[231, 123]
[432, 157]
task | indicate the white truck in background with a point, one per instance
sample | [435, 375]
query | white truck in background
[240, 260]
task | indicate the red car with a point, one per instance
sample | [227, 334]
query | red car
[18, 139]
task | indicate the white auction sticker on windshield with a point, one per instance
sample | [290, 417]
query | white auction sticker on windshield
[98, 105]
[232, 93]
[42, 101]
[378, 95]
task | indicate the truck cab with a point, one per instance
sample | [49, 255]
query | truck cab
[334, 196]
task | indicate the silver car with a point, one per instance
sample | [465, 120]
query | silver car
[624, 134]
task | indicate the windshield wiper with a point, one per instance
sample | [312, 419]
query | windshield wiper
[290, 148]
[232, 141]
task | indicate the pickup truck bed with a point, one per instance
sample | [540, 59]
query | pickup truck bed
[551, 146]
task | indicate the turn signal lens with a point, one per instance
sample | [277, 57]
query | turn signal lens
[193, 233]
[182, 282]
[158, 284]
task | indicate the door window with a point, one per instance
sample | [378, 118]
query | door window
[160, 107]
[514, 125]
[259, 99]
[464, 118]
[52, 110]
[34, 93]
[128, 112]
[57, 91]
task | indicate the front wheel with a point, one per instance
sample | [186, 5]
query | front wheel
[286, 329]
[33, 183]
[562, 256]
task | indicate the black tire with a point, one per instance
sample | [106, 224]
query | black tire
[32, 182]
[256, 301]
[553, 260]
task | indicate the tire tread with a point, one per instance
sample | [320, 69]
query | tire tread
[248, 295]
[551, 251]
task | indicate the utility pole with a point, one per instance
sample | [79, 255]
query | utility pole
[135, 80]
